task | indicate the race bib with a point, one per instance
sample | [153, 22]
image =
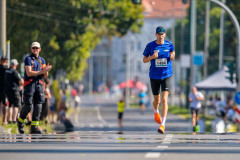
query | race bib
[162, 62]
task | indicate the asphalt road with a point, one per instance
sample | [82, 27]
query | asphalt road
[96, 138]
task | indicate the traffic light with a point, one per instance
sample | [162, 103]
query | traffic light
[231, 72]
[184, 1]
[136, 1]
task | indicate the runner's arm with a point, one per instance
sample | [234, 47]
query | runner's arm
[147, 59]
[190, 99]
[200, 98]
[172, 55]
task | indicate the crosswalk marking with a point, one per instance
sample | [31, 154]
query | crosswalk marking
[156, 153]
[152, 155]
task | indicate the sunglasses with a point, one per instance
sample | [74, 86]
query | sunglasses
[35, 48]
[162, 30]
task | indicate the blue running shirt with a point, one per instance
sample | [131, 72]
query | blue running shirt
[161, 67]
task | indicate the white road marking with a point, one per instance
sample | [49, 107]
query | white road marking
[156, 153]
[99, 116]
[77, 115]
[162, 147]
[167, 139]
[152, 155]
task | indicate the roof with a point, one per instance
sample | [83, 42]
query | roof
[164, 8]
[217, 81]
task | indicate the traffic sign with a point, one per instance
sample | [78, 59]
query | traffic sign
[237, 98]
[198, 59]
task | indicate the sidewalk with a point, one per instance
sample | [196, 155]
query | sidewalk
[3, 130]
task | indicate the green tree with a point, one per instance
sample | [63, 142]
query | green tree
[68, 29]
[229, 32]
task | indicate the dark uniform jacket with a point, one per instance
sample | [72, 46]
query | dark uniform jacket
[2, 75]
[12, 78]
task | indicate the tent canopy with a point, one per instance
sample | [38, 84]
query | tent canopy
[217, 81]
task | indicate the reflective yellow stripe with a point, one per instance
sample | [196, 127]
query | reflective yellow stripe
[21, 120]
[35, 123]
[121, 106]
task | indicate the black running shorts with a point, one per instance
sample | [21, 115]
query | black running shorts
[157, 83]
[196, 111]
[120, 115]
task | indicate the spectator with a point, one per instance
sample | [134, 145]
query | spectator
[220, 107]
[52, 110]
[12, 83]
[81, 89]
[229, 108]
[63, 100]
[218, 124]
[77, 101]
[46, 104]
[3, 99]
[67, 123]
[142, 102]
[35, 70]
[74, 92]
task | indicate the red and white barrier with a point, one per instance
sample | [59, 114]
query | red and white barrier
[237, 114]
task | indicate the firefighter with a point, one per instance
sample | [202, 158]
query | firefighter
[35, 70]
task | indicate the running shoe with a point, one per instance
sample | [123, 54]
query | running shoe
[161, 129]
[193, 129]
[197, 128]
[158, 118]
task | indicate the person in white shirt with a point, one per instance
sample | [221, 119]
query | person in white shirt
[195, 98]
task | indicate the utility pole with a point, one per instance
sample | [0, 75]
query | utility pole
[8, 52]
[206, 42]
[192, 40]
[90, 81]
[221, 44]
[127, 93]
[183, 31]
[3, 26]
[172, 99]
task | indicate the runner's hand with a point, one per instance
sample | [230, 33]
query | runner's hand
[155, 55]
[172, 56]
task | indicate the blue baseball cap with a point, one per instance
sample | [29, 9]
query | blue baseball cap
[160, 29]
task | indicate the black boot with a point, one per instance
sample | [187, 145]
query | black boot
[35, 130]
[20, 127]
